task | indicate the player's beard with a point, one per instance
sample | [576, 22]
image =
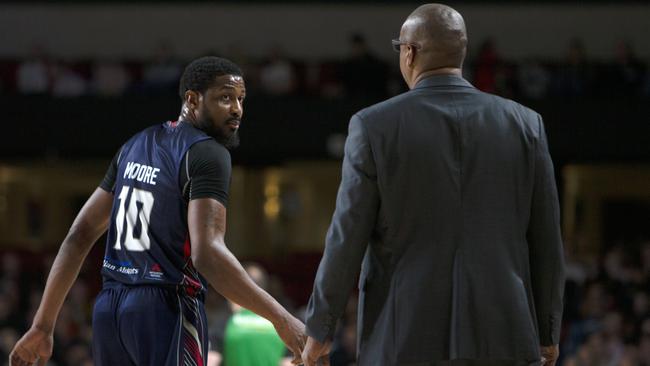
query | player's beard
[229, 140]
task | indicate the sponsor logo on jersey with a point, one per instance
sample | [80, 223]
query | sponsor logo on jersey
[121, 267]
[156, 272]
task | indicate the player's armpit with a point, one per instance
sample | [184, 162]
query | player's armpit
[92, 220]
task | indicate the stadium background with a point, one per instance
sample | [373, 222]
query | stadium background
[79, 77]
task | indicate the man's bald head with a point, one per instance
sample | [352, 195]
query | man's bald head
[440, 31]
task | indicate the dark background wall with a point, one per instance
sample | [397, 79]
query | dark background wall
[277, 129]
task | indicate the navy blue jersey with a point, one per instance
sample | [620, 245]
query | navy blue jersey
[148, 241]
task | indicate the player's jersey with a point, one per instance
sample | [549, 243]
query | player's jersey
[148, 241]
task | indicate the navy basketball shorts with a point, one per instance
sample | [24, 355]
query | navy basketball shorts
[148, 326]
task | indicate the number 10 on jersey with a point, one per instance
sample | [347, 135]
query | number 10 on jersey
[135, 212]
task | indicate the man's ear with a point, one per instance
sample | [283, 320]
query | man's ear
[192, 99]
[410, 56]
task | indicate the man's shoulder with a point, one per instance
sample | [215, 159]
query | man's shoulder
[524, 118]
[385, 108]
[391, 109]
[508, 104]
[143, 132]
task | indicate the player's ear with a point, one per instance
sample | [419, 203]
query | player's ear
[192, 99]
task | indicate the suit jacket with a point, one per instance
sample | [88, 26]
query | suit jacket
[448, 204]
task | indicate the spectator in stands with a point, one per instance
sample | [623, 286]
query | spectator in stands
[613, 265]
[533, 79]
[574, 78]
[590, 353]
[630, 356]
[251, 340]
[613, 336]
[68, 82]
[491, 73]
[162, 74]
[110, 78]
[328, 79]
[614, 319]
[363, 73]
[214, 358]
[248, 64]
[278, 75]
[592, 310]
[34, 74]
[627, 72]
[485, 67]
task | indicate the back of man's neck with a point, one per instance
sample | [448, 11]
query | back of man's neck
[452, 71]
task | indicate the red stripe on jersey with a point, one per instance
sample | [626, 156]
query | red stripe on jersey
[193, 349]
[187, 248]
[191, 280]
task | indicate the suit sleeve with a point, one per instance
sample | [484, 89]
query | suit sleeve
[545, 246]
[348, 235]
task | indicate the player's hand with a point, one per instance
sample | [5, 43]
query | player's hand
[34, 348]
[549, 354]
[292, 332]
[316, 353]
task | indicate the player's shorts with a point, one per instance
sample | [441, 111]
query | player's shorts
[148, 326]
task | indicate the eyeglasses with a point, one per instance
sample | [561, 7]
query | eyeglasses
[397, 44]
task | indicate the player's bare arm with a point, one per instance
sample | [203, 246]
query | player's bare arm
[89, 225]
[211, 257]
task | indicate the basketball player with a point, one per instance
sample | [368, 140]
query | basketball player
[163, 201]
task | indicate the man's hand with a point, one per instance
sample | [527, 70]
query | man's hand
[550, 354]
[34, 348]
[292, 332]
[315, 352]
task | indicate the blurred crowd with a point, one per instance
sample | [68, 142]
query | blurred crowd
[606, 316]
[22, 279]
[607, 308]
[362, 73]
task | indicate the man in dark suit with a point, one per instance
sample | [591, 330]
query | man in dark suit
[448, 198]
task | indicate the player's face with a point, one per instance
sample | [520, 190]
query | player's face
[221, 109]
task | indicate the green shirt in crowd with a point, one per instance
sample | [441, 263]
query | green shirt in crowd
[251, 340]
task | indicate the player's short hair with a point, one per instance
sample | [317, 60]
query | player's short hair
[199, 75]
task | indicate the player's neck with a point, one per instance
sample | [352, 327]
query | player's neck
[187, 115]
